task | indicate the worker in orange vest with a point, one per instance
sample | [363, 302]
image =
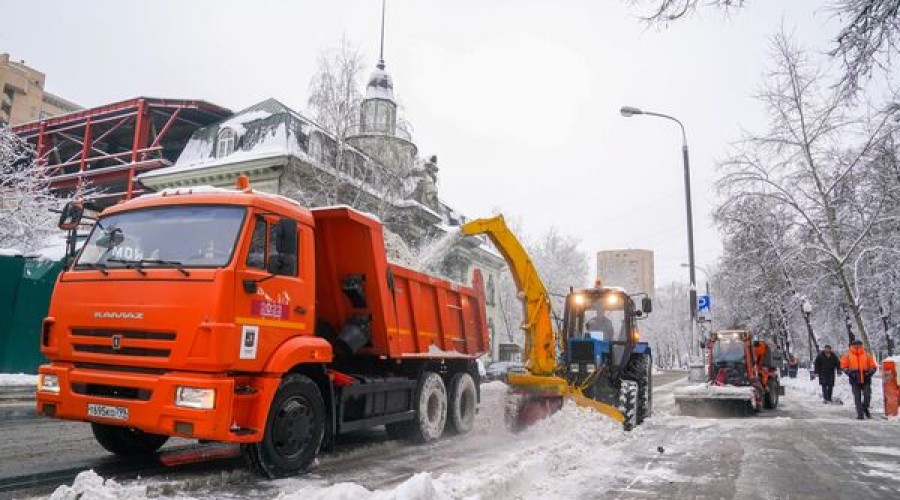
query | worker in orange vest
[859, 367]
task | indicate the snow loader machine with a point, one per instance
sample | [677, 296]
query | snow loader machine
[595, 358]
[741, 378]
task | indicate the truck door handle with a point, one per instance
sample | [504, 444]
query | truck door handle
[299, 310]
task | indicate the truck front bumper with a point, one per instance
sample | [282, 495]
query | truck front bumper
[149, 401]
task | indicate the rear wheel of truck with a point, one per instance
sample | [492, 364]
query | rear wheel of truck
[628, 403]
[127, 440]
[431, 412]
[462, 407]
[294, 430]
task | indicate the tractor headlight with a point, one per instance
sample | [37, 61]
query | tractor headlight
[590, 368]
[573, 368]
[48, 383]
[193, 397]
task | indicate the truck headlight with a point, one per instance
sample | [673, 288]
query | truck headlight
[193, 397]
[573, 368]
[590, 368]
[48, 383]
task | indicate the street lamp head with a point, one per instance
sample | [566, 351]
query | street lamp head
[806, 306]
[628, 111]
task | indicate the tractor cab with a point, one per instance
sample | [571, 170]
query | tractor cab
[599, 331]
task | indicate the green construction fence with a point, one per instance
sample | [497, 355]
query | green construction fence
[25, 287]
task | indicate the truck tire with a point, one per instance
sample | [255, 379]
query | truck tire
[462, 406]
[431, 412]
[628, 403]
[127, 441]
[294, 430]
[770, 400]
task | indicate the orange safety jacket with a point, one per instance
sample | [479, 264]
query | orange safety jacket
[858, 359]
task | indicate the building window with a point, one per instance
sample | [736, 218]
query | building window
[491, 290]
[225, 144]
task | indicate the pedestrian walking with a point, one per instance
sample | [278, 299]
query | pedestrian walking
[825, 367]
[859, 367]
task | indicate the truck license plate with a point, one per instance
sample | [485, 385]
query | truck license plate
[106, 411]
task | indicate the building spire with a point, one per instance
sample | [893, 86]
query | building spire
[381, 52]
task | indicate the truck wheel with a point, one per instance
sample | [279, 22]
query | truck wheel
[462, 403]
[771, 397]
[628, 402]
[127, 440]
[294, 430]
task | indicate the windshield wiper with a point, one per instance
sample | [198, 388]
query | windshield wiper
[173, 263]
[94, 265]
[129, 264]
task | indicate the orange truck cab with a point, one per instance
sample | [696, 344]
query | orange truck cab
[244, 317]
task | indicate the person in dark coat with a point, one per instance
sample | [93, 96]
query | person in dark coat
[825, 366]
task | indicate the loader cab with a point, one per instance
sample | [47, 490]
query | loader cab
[730, 357]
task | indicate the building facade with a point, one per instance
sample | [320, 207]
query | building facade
[630, 269]
[24, 98]
[376, 169]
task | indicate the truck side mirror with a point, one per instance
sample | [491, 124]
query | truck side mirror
[70, 216]
[646, 305]
[284, 259]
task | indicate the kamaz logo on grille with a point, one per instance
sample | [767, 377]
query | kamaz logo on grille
[116, 342]
[118, 315]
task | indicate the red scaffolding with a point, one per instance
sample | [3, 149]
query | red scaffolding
[99, 151]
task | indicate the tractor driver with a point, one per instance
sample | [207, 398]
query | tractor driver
[600, 323]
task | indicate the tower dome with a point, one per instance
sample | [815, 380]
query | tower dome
[380, 85]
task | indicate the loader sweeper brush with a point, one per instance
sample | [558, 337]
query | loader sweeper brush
[709, 400]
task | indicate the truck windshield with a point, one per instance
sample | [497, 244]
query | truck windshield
[728, 351]
[190, 236]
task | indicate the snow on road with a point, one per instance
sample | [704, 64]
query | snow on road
[17, 379]
[579, 454]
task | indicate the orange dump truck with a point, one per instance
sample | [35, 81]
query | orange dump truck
[242, 317]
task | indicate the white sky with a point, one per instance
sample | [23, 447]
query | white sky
[519, 99]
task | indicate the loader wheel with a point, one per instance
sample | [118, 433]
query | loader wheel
[431, 412]
[294, 430]
[461, 412]
[127, 441]
[628, 403]
[770, 400]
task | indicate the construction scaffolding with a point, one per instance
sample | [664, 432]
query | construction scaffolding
[100, 151]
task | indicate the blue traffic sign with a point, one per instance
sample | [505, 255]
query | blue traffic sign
[703, 303]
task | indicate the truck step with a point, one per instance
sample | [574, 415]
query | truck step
[245, 390]
[242, 431]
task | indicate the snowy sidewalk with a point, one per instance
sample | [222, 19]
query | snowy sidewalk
[17, 392]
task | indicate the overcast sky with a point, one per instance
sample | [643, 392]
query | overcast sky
[518, 99]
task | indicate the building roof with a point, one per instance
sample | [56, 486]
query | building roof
[380, 85]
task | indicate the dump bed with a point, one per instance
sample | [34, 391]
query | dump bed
[412, 314]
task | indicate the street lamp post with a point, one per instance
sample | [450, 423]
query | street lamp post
[629, 111]
[806, 308]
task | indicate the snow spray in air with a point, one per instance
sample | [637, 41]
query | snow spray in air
[436, 251]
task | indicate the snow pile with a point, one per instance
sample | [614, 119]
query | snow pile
[88, 485]
[16, 379]
[841, 391]
[434, 253]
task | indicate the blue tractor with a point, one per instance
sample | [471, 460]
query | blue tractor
[601, 351]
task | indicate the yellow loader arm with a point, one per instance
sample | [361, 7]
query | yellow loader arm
[540, 339]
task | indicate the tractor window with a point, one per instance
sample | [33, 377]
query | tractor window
[728, 351]
[602, 317]
[256, 257]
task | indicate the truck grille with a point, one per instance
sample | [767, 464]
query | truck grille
[112, 391]
[134, 343]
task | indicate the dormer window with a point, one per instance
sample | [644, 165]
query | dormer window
[225, 143]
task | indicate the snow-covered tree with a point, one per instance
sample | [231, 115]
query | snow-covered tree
[810, 206]
[869, 35]
[25, 200]
[334, 95]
